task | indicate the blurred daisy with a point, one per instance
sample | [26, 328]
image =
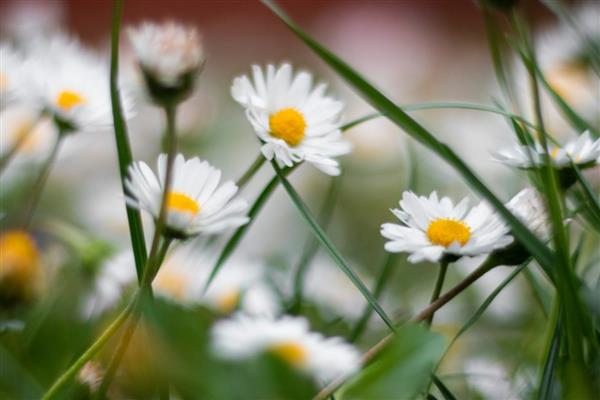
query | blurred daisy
[239, 286]
[529, 207]
[20, 266]
[584, 151]
[11, 75]
[23, 130]
[71, 83]
[194, 203]
[116, 275]
[288, 338]
[432, 228]
[170, 55]
[295, 121]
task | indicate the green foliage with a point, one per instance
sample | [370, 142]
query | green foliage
[402, 371]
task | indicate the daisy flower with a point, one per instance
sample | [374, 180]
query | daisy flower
[239, 285]
[529, 207]
[289, 338]
[23, 127]
[70, 83]
[195, 202]
[583, 151]
[11, 75]
[115, 276]
[170, 55]
[433, 228]
[20, 266]
[294, 121]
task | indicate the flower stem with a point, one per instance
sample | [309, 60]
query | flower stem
[7, 157]
[438, 288]
[38, 186]
[89, 353]
[251, 171]
[384, 277]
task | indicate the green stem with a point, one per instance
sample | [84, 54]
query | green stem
[312, 244]
[439, 283]
[384, 277]
[89, 353]
[251, 171]
[40, 183]
[552, 347]
[7, 157]
[134, 219]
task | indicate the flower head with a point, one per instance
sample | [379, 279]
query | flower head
[288, 338]
[583, 151]
[195, 203]
[20, 269]
[432, 228]
[295, 121]
[70, 83]
[170, 56]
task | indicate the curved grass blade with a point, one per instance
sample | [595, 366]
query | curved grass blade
[546, 388]
[136, 230]
[588, 192]
[446, 393]
[335, 254]
[384, 105]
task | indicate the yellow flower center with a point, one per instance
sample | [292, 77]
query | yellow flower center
[68, 99]
[19, 264]
[554, 152]
[444, 232]
[569, 80]
[228, 301]
[183, 203]
[292, 353]
[289, 125]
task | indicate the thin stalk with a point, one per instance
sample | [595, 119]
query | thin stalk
[133, 321]
[312, 244]
[251, 171]
[552, 348]
[384, 277]
[422, 316]
[134, 219]
[89, 353]
[439, 283]
[7, 157]
[38, 186]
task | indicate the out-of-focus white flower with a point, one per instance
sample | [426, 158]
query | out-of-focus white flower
[11, 73]
[289, 338]
[529, 207]
[239, 285]
[195, 203]
[295, 121]
[492, 380]
[170, 55]
[71, 83]
[114, 277]
[583, 151]
[432, 228]
[32, 134]
[91, 375]
[25, 20]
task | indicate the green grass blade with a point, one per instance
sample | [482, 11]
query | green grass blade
[136, 230]
[335, 254]
[241, 231]
[546, 389]
[446, 393]
[384, 105]
[589, 195]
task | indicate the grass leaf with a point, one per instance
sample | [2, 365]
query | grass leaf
[136, 230]
[335, 254]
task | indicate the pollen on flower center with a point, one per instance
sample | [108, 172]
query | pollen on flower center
[68, 99]
[291, 352]
[445, 231]
[289, 125]
[181, 202]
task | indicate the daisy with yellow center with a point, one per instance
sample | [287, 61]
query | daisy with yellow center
[20, 269]
[195, 203]
[295, 121]
[583, 151]
[288, 338]
[433, 227]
